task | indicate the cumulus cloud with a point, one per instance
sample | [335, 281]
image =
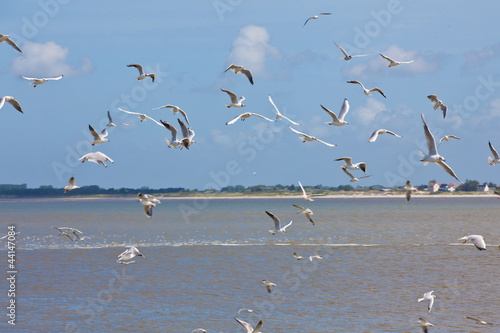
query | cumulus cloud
[251, 49]
[373, 108]
[47, 59]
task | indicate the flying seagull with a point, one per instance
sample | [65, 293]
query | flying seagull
[268, 285]
[376, 133]
[429, 297]
[307, 197]
[424, 325]
[315, 17]
[71, 185]
[296, 256]
[307, 212]
[66, 231]
[478, 321]
[98, 137]
[348, 57]
[338, 121]
[246, 115]
[353, 179]
[175, 109]
[311, 258]
[235, 101]
[447, 137]
[477, 240]
[279, 115]
[433, 155]
[142, 75]
[173, 142]
[393, 63]
[110, 122]
[438, 104]
[409, 190]
[366, 91]
[309, 138]
[129, 254]
[37, 81]
[349, 165]
[248, 328]
[6, 38]
[199, 330]
[491, 160]
[277, 226]
[142, 116]
[148, 201]
[12, 101]
[96, 157]
[187, 135]
[239, 69]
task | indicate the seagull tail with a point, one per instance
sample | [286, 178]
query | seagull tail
[490, 160]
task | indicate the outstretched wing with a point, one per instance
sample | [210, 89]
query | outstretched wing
[260, 116]
[325, 143]
[431, 143]
[332, 114]
[232, 96]
[232, 121]
[341, 49]
[139, 68]
[275, 219]
[449, 170]
[344, 109]
[248, 75]
[493, 151]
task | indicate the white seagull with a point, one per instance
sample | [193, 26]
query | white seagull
[142, 75]
[349, 165]
[98, 137]
[12, 101]
[393, 63]
[129, 254]
[338, 121]
[315, 17]
[239, 69]
[491, 160]
[173, 142]
[296, 256]
[41, 80]
[424, 325]
[198, 330]
[311, 258]
[353, 179]
[246, 115]
[478, 321]
[309, 138]
[366, 91]
[307, 197]
[409, 190]
[429, 298]
[175, 109]
[110, 122]
[438, 104]
[235, 101]
[268, 285]
[71, 185]
[477, 240]
[66, 231]
[248, 328]
[148, 201]
[307, 212]
[142, 116]
[6, 38]
[187, 135]
[277, 227]
[376, 133]
[447, 137]
[348, 57]
[279, 115]
[96, 157]
[433, 155]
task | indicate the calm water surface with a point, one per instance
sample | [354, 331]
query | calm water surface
[205, 259]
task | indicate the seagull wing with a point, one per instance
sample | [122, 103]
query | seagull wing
[293, 122]
[444, 108]
[109, 117]
[71, 181]
[275, 219]
[374, 136]
[306, 22]
[299, 132]
[357, 82]
[392, 133]
[377, 90]
[184, 129]
[433, 98]
[347, 160]
[258, 327]
[29, 78]
[341, 49]
[387, 58]
[94, 133]
[234, 98]
[13, 44]
[286, 226]
[298, 207]
[231, 67]
[408, 195]
[332, 114]
[303, 191]
[148, 210]
[130, 112]
[245, 325]
[248, 75]
[260, 116]
[344, 109]
[346, 172]
[171, 128]
[12, 101]
[449, 170]
[325, 143]
[431, 143]
[185, 116]
[275, 107]
[55, 78]
[232, 121]
[360, 55]
[157, 122]
[139, 68]
[493, 151]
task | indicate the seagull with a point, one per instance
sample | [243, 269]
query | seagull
[424, 325]
[142, 116]
[433, 155]
[409, 190]
[306, 212]
[41, 80]
[173, 142]
[6, 38]
[375, 134]
[148, 201]
[246, 115]
[277, 227]
[491, 160]
[96, 157]
[12, 101]
[393, 63]
[296, 256]
[477, 240]
[187, 135]
[308, 197]
[235, 101]
[249, 311]
[98, 138]
[366, 91]
[478, 321]
[142, 75]
[175, 109]
[315, 17]
[111, 124]
[311, 258]
[429, 298]
[249, 327]
[199, 330]
[353, 179]
[348, 164]
[338, 121]
[279, 115]
[71, 185]
[348, 57]
[65, 231]
[446, 138]
[308, 138]
[268, 285]
[438, 104]
[148, 197]
[239, 69]
[129, 254]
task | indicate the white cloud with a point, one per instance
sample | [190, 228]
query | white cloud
[251, 48]
[474, 59]
[47, 59]
[495, 107]
[372, 109]
[222, 139]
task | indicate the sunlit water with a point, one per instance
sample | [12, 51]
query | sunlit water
[205, 259]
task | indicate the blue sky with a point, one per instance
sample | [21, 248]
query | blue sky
[189, 44]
